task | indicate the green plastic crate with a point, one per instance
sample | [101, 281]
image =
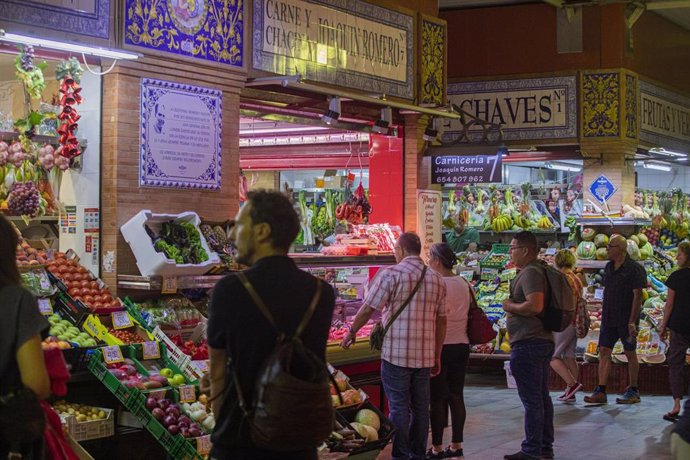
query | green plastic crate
[496, 250]
[98, 368]
[186, 450]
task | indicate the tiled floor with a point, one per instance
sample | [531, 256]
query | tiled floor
[495, 417]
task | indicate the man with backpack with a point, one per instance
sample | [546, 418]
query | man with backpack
[254, 315]
[532, 346]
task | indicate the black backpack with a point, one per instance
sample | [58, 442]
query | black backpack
[559, 306]
[291, 406]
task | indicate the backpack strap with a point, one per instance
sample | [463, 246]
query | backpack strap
[407, 302]
[267, 313]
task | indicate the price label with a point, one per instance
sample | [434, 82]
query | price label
[467, 274]
[489, 273]
[598, 294]
[551, 252]
[508, 274]
[45, 307]
[187, 393]
[203, 444]
[112, 354]
[121, 320]
[169, 285]
[151, 350]
[45, 282]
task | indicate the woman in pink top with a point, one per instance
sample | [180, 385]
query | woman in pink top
[447, 387]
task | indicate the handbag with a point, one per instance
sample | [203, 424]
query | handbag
[379, 332]
[479, 329]
[22, 405]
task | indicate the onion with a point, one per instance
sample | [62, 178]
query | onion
[151, 403]
[158, 413]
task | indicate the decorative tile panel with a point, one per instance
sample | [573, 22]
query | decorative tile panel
[600, 104]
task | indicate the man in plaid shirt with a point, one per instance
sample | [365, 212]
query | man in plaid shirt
[411, 352]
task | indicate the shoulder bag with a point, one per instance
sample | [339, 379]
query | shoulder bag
[479, 328]
[379, 332]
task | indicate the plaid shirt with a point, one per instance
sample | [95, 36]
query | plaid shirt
[411, 340]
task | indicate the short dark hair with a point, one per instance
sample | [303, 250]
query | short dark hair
[444, 253]
[527, 239]
[276, 210]
[410, 243]
[9, 273]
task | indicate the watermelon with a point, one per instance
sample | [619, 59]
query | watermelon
[602, 254]
[601, 240]
[646, 251]
[588, 234]
[633, 250]
[643, 239]
[654, 359]
[586, 250]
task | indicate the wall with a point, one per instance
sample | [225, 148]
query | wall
[121, 196]
[661, 50]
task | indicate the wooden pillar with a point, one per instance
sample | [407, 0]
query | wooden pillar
[121, 195]
[416, 176]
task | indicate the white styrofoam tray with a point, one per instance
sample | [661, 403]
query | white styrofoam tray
[151, 262]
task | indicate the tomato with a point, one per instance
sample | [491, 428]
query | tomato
[67, 276]
[62, 268]
[97, 305]
[85, 292]
[93, 284]
[74, 292]
[84, 284]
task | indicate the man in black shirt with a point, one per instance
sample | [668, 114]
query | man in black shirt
[265, 228]
[624, 280]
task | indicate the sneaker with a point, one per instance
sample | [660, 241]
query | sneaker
[598, 397]
[563, 396]
[571, 390]
[430, 454]
[452, 453]
[629, 397]
[571, 400]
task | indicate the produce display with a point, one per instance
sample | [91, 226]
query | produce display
[593, 246]
[127, 336]
[81, 412]
[219, 243]
[36, 280]
[170, 416]
[80, 284]
[127, 373]
[179, 241]
[200, 412]
[62, 331]
[196, 351]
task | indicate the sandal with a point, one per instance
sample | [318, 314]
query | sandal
[671, 416]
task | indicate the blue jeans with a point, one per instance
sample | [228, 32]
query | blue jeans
[407, 390]
[530, 364]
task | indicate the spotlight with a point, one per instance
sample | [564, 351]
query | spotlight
[430, 133]
[381, 125]
[333, 112]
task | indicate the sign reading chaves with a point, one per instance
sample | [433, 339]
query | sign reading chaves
[664, 117]
[535, 108]
[466, 169]
[340, 42]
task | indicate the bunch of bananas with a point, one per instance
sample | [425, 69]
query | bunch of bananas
[502, 223]
[682, 229]
[522, 221]
[544, 223]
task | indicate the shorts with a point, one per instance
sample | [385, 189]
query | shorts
[565, 343]
[609, 335]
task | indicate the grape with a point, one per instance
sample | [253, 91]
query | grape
[27, 58]
[23, 199]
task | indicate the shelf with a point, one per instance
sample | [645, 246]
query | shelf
[33, 219]
[619, 221]
[40, 138]
[491, 356]
[318, 260]
[155, 283]
[599, 264]
[514, 232]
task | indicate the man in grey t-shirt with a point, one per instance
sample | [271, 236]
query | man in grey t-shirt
[532, 348]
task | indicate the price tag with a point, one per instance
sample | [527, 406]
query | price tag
[508, 274]
[121, 320]
[151, 350]
[472, 263]
[598, 294]
[489, 273]
[169, 285]
[45, 307]
[112, 354]
[467, 274]
[187, 393]
[203, 444]
[551, 251]
[45, 282]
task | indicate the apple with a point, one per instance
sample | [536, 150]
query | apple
[166, 372]
[177, 380]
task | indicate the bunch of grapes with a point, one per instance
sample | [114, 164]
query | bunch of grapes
[26, 58]
[23, 199]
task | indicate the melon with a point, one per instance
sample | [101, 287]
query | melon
[588, 234]
[602, 254]
[654, 359]
[601, 240]
[635, 239]
[619, 358]
[586, 250]
[646, 251]
[590, 358]
[643, 239]
[368, 433]
[633, 250]
[368, 417]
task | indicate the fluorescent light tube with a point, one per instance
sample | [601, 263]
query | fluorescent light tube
[563, 167]
[69, 47]
[668, 153]
[656, 166]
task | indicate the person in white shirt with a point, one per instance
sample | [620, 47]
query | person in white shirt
[447, 387]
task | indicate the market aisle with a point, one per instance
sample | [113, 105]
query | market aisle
[494, 428]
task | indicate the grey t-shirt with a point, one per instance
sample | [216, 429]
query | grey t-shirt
[528, 280]
[21, 320]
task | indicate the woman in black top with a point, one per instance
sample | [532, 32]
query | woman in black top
[677, 320]
[21, 356]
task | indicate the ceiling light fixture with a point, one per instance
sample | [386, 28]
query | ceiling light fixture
[563, 167]
[69, 47]
[333, 112]
[382, 124]
[668, 153]
[431, 132]
[656, 166]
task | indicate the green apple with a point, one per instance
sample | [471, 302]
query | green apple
[54, 318]
[166, 372]
[177, 380]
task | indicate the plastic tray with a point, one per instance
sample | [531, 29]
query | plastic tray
[92, 429]
[152, 262]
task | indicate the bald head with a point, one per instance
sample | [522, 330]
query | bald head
[617, 248]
